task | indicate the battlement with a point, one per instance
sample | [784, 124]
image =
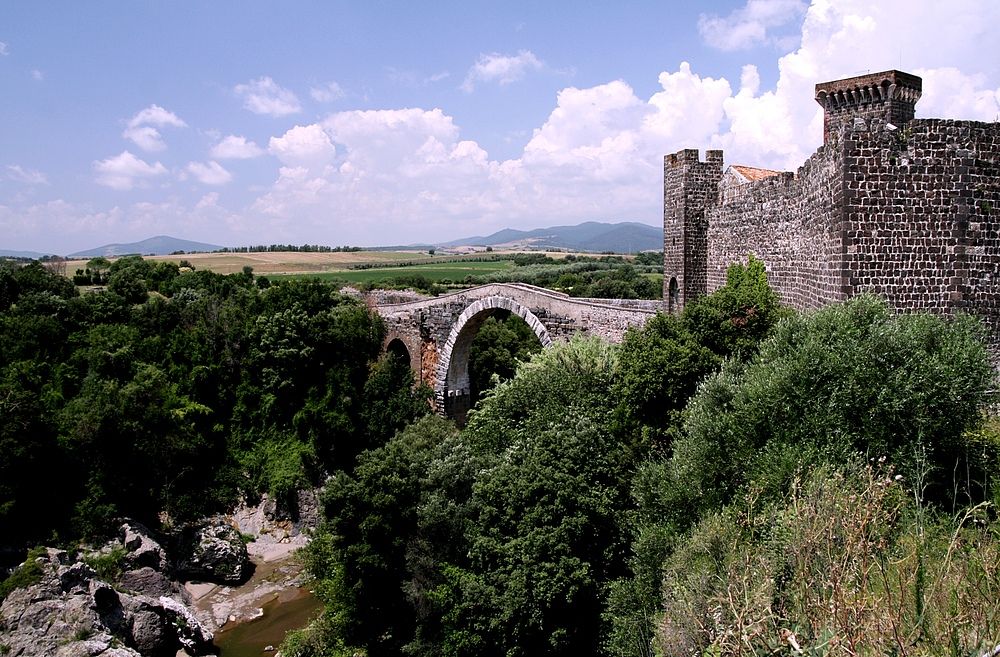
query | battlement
[690, 156]
[890, 96]
[910, 214]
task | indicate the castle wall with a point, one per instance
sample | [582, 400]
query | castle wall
[690, 187]
[924, 212]
[911, 214]
[794, 223]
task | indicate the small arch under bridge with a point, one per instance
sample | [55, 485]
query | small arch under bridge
[435, 334]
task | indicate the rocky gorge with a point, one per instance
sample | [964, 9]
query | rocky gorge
[153, 594]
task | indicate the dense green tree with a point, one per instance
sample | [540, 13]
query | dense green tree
[32, 468]
[37, 278]
[660, 367]
[502, 341]
[128, 284]
[372, 521]
[850, 378]
[391, 400]
[542, 518]
[178, 404]
[732, 320]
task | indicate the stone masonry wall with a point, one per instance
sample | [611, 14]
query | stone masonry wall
[924, 210]
[690, 187]
[794, 223]
[912, 214]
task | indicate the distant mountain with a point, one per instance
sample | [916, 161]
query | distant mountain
[5, 253]
[159, 245]
[622, 237]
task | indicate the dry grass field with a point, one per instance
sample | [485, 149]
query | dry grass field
[282, 262]
[287, 262]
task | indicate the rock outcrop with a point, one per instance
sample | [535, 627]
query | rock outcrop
[213, 552]
[70, 612]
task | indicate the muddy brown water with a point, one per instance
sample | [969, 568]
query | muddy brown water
[290, 610]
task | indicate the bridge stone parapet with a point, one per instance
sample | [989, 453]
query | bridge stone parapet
[435, 334]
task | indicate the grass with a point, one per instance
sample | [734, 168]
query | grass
[108, 566]
[268, 264]
[434, 272]
[279, 262]
[25, 575]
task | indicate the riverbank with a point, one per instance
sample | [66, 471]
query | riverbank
[251, 619]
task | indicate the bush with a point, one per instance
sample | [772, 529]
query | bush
[25, 575]
[847, 379]
[850, 564]
[109, 566]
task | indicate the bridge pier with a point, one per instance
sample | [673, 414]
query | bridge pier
[457, 404]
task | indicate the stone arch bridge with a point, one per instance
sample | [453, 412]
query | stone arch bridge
[434, 334]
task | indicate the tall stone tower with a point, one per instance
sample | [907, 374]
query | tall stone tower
[689, 187]
[890, 96]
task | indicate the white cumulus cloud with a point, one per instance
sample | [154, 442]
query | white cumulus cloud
[125, 171]
[143, 128]
[27, 176]
[265, 96]
[327, 93]
[303, 146]
[209, 173]
[408, 174]
[4, 50]
[236, 147]
[502, 69]
[751, 25]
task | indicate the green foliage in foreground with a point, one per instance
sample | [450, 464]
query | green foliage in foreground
[703, 488]
[502, 342]
[126, 404]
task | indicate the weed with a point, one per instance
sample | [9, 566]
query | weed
[28, 573]
[109, 566]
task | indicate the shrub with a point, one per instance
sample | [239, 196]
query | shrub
[850, 564]
[28, 573]
[109, 566]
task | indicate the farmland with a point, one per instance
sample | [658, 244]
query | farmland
[435, 272]
[283, 262]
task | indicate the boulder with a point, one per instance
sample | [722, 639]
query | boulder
[147, 629]
[142, 549]
[146, 581]
[214, 552]
[70, 613]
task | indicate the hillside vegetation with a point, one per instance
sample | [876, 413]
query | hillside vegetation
[172, 405]
[735, 479]
[738, 479]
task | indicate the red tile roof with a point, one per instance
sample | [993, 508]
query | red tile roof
[753, 174]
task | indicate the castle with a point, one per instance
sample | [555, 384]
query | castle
[905, 208]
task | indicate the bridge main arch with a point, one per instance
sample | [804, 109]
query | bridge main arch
[437, 332]
[451, 386]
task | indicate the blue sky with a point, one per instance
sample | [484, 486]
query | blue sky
[395, 122]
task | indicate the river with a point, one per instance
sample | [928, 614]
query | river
[258, 613]
[288, 610]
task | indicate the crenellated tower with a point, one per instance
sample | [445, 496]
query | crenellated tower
[890, 96]
[690, 186]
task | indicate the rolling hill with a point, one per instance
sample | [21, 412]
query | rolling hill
[622, 237]
[159, 245]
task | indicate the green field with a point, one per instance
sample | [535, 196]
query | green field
[434, 272]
